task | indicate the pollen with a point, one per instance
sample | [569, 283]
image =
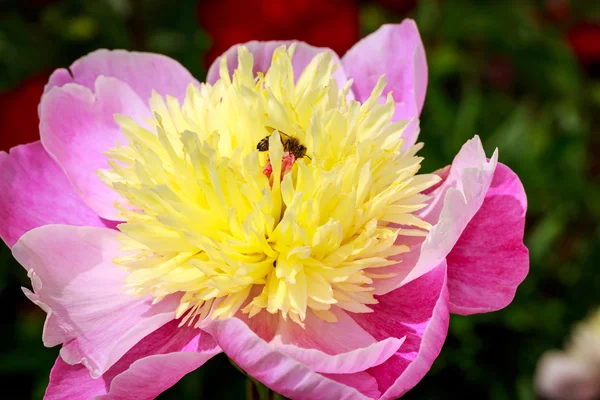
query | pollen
[238, 230]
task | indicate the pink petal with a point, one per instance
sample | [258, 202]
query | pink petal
[153, 365]
[73, 382]
[419, 312]
[452, 206]
[490, 260]
[36, 192]
[77, 127]
[143, 72]
[395, 50]
[353, 350]
[76, 283]
[263, 52]
[361, 381]
[275, 369]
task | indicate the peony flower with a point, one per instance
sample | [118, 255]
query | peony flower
[275, 213]
[573, 374]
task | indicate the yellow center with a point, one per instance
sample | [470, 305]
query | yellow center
[202, 218]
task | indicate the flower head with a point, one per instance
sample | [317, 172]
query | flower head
[204, 219]
[275, 213]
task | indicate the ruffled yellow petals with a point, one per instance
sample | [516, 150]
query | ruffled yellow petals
[204, 219]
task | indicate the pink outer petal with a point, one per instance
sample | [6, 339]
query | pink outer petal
[36, 192]
[143, 72]
[453, 205]
[77, 127]
[419, 312]
[275, 369]
[76, 283]
[396, 51]
[361, 381]
[153, 365]
[263, 52]
[490, 260]
[352, 350]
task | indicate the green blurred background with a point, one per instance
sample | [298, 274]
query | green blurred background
[522, 74]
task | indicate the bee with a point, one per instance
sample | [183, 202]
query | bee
[263, 145]
[290, 144]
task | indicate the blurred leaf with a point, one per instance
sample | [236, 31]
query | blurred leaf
[545, 234]
[81, 28]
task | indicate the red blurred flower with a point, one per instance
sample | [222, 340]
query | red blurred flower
[324, 23]
[583, 37]
[18, 112]
[584, 40]
[559, 10]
